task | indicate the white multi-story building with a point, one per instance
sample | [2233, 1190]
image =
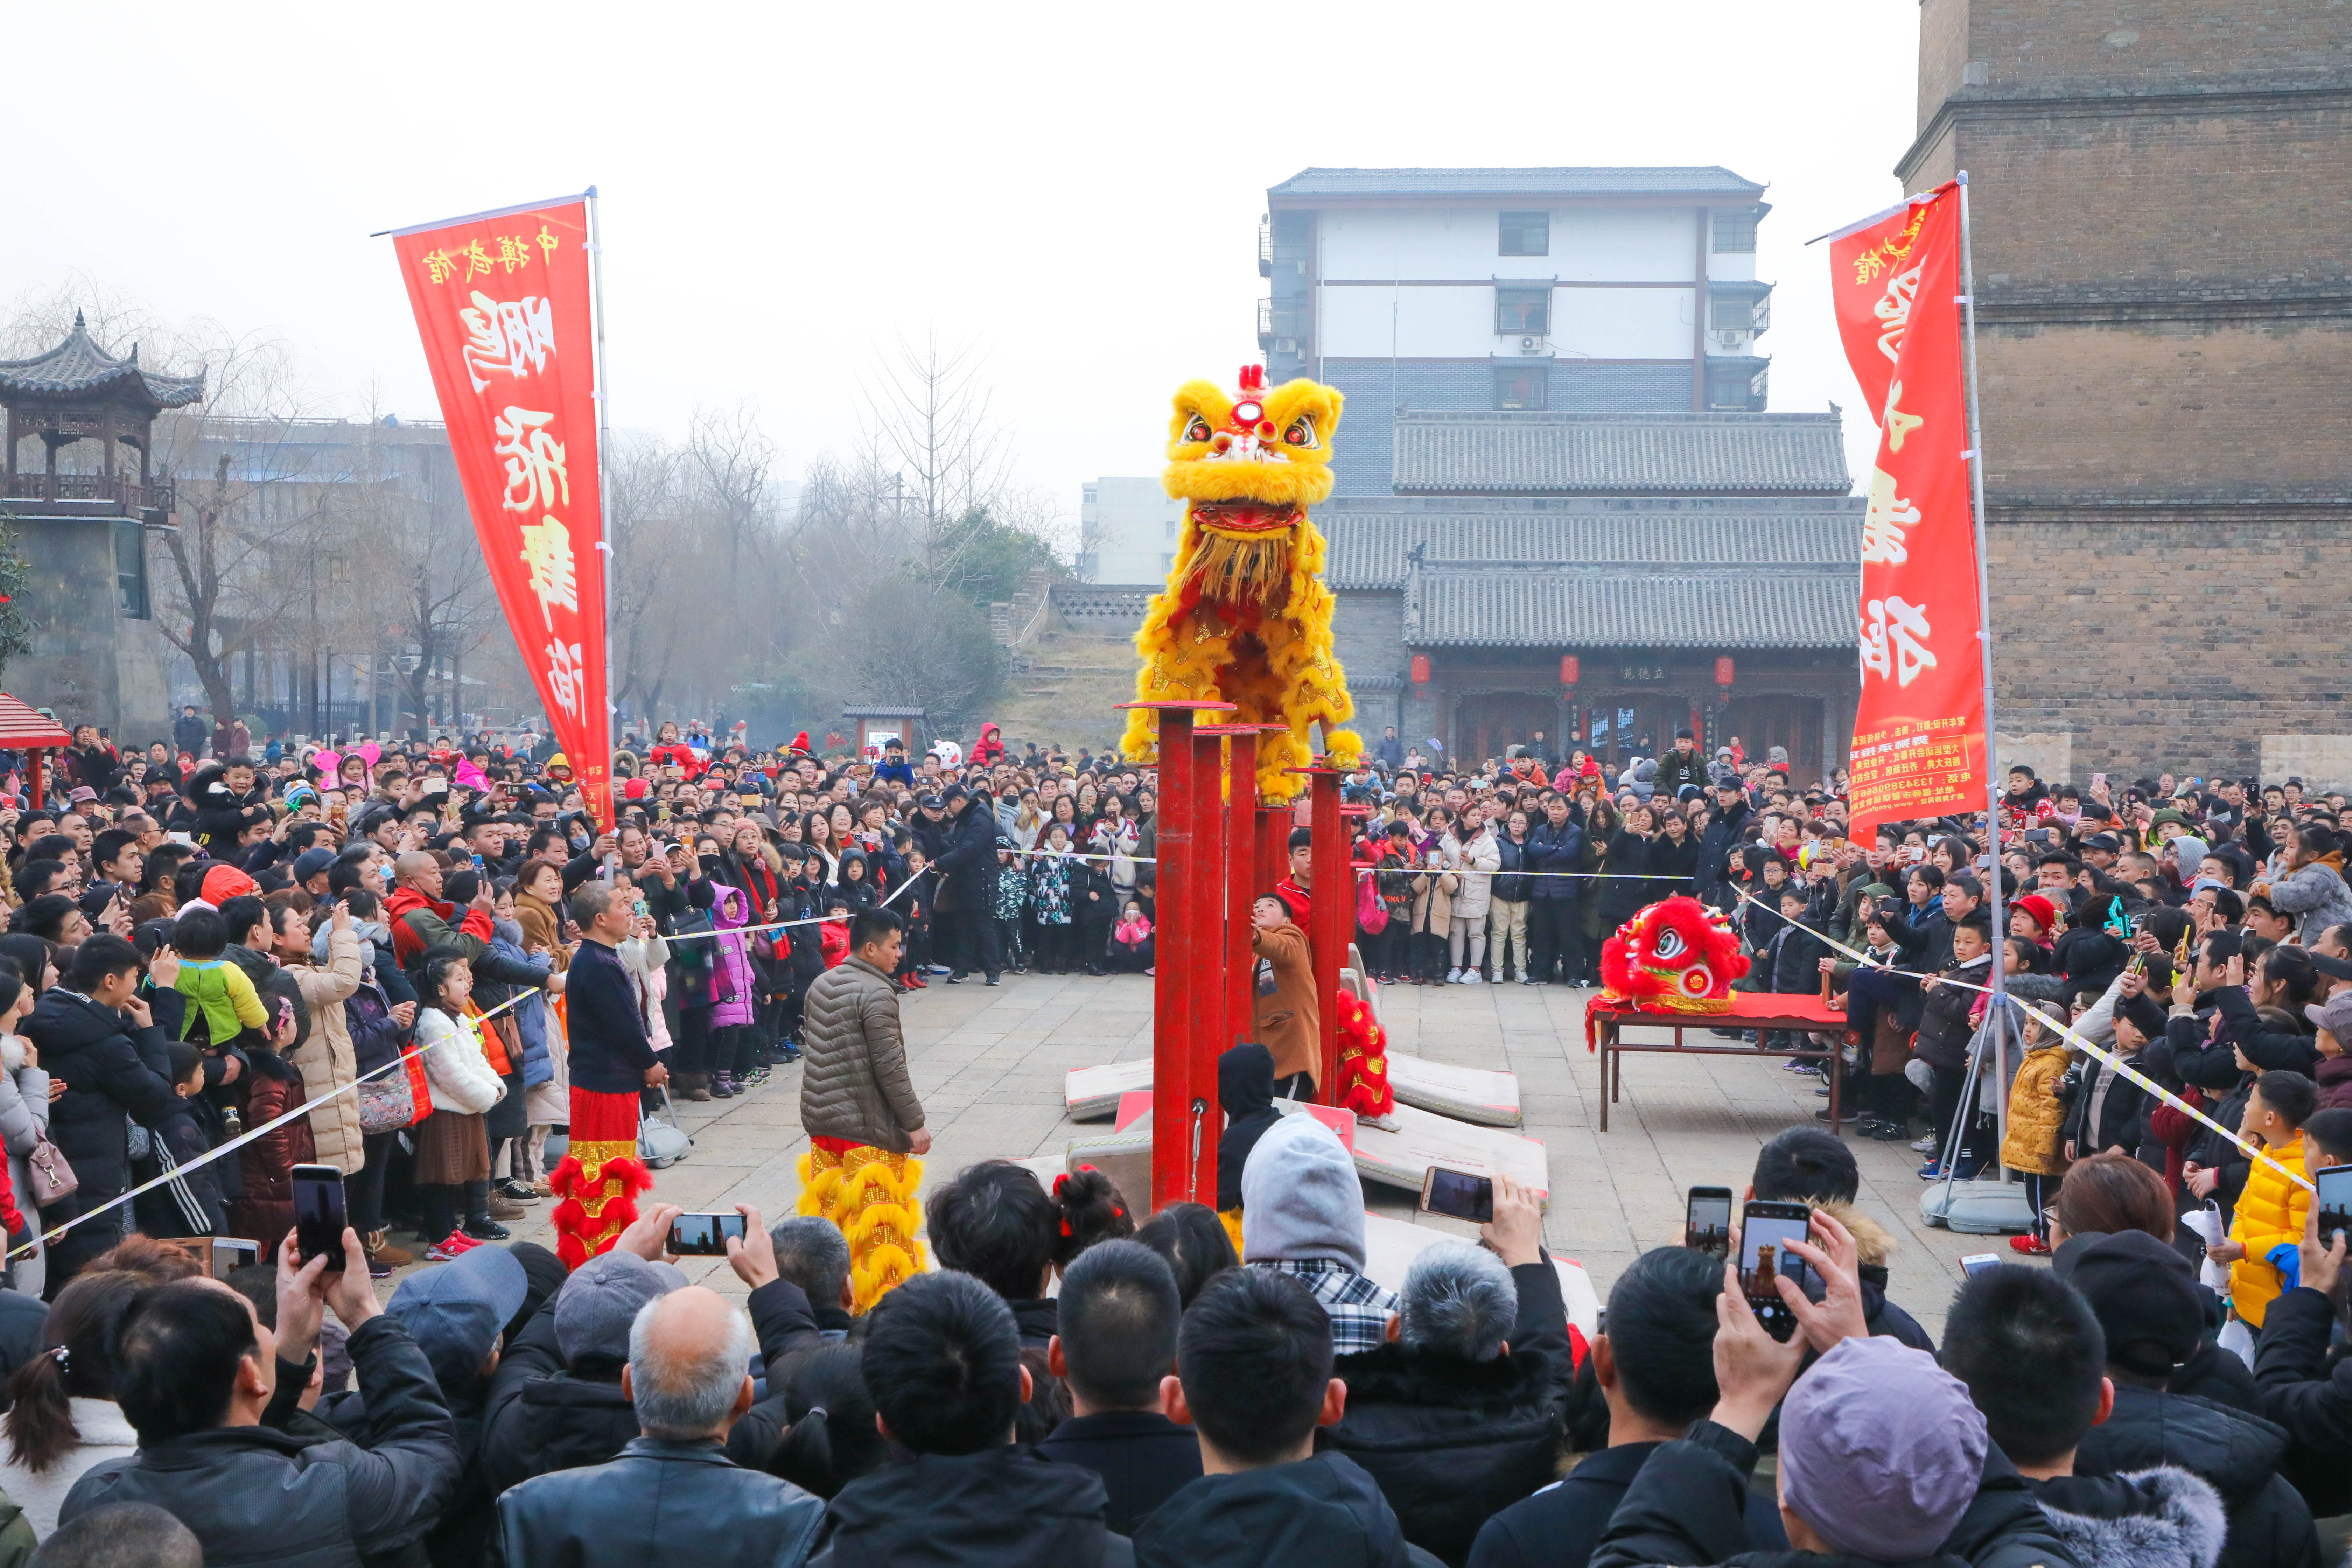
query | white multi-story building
[1578, 289]
[1127, 532]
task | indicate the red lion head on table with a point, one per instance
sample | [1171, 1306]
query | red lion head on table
[1676, 956]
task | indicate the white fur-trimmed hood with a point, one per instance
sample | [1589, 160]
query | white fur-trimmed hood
[2177, 1522]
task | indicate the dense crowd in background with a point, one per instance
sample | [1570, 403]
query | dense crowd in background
[199, 945]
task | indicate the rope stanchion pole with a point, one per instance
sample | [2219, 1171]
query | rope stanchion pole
[1176, 960]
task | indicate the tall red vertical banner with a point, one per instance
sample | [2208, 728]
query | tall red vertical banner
[1919, 730]
[504, 303]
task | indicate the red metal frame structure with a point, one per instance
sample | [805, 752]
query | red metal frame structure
[1244, 854]
[1333, 914]
[22, 729]
[1187, 949]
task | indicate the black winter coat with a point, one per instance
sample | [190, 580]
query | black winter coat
[1143, 1458]
[1725, 832]
[115, 1074]
[2306, 1387]
[1674, 866]
[1627, 887]
[1323, 1513]
[969, 863]
[1555, 849]
[217, 814]
[660, 1501]
[1560, 1526]
[1007, 1505]
[2239, 1454]
[1944, 1030]
[257, 1494]
[2267, 1048]
[1510, 884]
[544, 1417]
[1452, 1443]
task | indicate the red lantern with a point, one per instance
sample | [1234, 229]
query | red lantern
[1723, 670]
[1420, 669]
[1568, 669]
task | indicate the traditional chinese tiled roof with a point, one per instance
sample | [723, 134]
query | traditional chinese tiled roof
[1373, 539]
[869, 711]
[78, 367]
[1583, 608]
[1548, 453]
[1713, 180]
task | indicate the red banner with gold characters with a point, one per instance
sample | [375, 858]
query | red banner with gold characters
[1920, 729]
[503, 300]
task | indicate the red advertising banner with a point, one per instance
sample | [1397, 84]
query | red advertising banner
[1873, 279]
[1920, 729]
[503, 301]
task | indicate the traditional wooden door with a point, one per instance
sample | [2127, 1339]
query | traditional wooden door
[1763, 722]
[1489, 724]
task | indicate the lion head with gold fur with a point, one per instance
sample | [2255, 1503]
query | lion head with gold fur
[1245, 618]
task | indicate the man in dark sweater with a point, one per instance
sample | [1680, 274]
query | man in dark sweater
[612, 1061]
[1119, 1311]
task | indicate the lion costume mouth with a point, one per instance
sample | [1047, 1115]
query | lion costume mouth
[1244, 557]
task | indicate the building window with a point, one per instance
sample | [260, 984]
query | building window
[1520, 310]
[1735, 234]
[1520, 387]
[131, 569]
[1731, 315]
[1166, 563]
[1525, 234]
[1170, 532]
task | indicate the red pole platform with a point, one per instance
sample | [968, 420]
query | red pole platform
[1177, 1101]
[1239, 868]
[1333, 916]
[1208, 1025]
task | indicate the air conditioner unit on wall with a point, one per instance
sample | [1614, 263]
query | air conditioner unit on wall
[1531, 345]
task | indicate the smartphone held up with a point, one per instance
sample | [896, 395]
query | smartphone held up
[1765, 1231]
[319, 1214]
[1706, 1221]
[1457, 1193]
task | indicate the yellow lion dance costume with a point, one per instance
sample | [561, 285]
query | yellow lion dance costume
[1245, 618]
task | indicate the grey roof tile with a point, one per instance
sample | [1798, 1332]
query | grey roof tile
[78, 366]
[1372, 541]
[1712, 179]
[1612, 610]
[1478, 453]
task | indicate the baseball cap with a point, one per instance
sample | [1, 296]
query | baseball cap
[598, 1303]
[2107, 841]
[933, 803]
[454, 1312]
[2335, 1015]
[311, 862]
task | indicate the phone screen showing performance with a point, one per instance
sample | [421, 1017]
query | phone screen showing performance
[2335, 1183]
[1765, 1231]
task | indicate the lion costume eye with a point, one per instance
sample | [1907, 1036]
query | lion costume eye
[1669, 944]
[1197, 430]
[1301, 432]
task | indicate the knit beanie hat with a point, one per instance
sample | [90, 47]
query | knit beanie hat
[222, 883]
[1881, 1450]
[1301, 1197]
[2044, 913]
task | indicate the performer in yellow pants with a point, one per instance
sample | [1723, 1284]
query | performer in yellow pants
[869, 1192]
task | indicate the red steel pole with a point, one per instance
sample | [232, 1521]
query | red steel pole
[1241, 889]
[1174, 1091]
[1206, 957]
[1333, 917]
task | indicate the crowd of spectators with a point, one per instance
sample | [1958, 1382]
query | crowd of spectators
[198, 949]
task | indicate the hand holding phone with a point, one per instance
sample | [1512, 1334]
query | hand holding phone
[704, 1235]
[319, 1214]
[1457, 1193]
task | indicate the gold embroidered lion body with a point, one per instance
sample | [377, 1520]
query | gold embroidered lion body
[1245, 618]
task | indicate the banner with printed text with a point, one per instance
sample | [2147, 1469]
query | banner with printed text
[504, 305]
[1920, 729]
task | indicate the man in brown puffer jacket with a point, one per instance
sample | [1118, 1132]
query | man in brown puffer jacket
[859, 1109]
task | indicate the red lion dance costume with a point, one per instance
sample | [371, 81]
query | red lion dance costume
[599, 1178]
[1674, 956]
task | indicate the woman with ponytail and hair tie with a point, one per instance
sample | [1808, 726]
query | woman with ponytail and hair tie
[62, 1419]
[831, 1440]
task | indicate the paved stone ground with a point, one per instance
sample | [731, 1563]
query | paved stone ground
[990, 1064]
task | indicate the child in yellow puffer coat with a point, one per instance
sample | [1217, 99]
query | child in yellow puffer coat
[2034, 1144]
[2271, 1210]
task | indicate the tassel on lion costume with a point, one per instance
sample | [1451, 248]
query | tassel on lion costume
[1245, 617]
[869, 1192]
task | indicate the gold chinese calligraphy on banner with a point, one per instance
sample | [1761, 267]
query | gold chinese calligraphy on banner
[504, 303]
[1920, 729]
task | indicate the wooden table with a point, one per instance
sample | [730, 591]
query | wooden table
[1760, 1011]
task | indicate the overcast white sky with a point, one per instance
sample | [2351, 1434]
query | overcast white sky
[788, 187]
